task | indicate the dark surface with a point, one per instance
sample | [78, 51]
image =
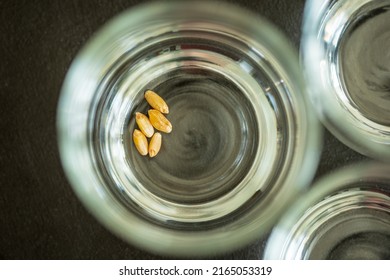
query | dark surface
[40, 217]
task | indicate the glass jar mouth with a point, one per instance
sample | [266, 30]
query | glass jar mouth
[327, 28]
[106, 83]
[341, 209]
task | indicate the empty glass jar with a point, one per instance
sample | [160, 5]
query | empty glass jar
[345, 215]
[345, 54]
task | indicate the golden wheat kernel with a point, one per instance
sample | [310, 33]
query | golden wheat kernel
[155, 144]
[159, 121]
[140, 142]
[156, 101]
[144, 124]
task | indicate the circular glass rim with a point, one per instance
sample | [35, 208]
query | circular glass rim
[341, 123]
[80, 169]
[329, 184]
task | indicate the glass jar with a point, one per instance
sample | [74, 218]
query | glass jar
[345, 56]
[244, 139]
[345, 215]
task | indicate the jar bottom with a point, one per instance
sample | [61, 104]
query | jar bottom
[213, 142]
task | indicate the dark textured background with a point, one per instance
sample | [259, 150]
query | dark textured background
[40, 217]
